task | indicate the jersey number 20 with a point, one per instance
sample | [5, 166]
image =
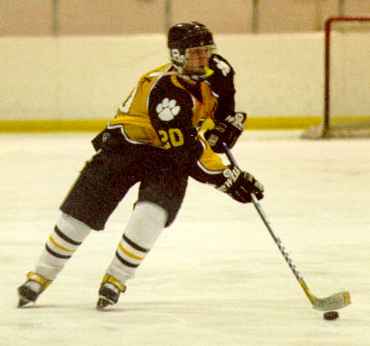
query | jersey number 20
[172, 137]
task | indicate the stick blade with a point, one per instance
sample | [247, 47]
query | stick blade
[334, 302]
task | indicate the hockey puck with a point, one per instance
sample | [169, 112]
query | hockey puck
[331, 315]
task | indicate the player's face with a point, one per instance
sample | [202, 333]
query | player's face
[197, 59]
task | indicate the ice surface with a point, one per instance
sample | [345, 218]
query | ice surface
[215, 277]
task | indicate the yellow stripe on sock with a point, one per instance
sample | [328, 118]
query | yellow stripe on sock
[56, 244]
[130, 254]
[115, 282]
[39, 279]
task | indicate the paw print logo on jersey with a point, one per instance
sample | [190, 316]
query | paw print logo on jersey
[167, 109]
[222, 66]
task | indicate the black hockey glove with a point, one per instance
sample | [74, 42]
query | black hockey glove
[226, 131]
[240, 185]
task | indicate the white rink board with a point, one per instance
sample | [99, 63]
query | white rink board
[215, 277]
[79, 77]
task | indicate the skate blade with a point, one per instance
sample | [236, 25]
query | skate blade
[22, 302]
[102, 304]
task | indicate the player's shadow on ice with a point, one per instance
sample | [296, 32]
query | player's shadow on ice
[187, 307]
[183, 307]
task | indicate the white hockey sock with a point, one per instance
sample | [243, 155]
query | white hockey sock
[146, 223]
[62, 243]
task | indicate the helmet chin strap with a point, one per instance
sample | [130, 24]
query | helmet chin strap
[195, 77]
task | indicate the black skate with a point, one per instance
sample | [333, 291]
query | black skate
[109, 292]
[32, 288]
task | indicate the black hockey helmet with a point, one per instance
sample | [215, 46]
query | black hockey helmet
[186, 35]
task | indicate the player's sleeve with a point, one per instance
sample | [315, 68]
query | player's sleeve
[222, 84]
[209, 168]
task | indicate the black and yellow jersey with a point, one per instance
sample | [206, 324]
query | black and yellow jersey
[163, 110]
[170, 113]
[222, 85]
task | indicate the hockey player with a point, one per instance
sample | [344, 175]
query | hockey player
[156, 139]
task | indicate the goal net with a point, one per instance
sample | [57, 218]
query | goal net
[347, 80]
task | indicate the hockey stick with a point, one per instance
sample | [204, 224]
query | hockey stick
[335, 301]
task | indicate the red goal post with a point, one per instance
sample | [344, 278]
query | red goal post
[346, 47]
